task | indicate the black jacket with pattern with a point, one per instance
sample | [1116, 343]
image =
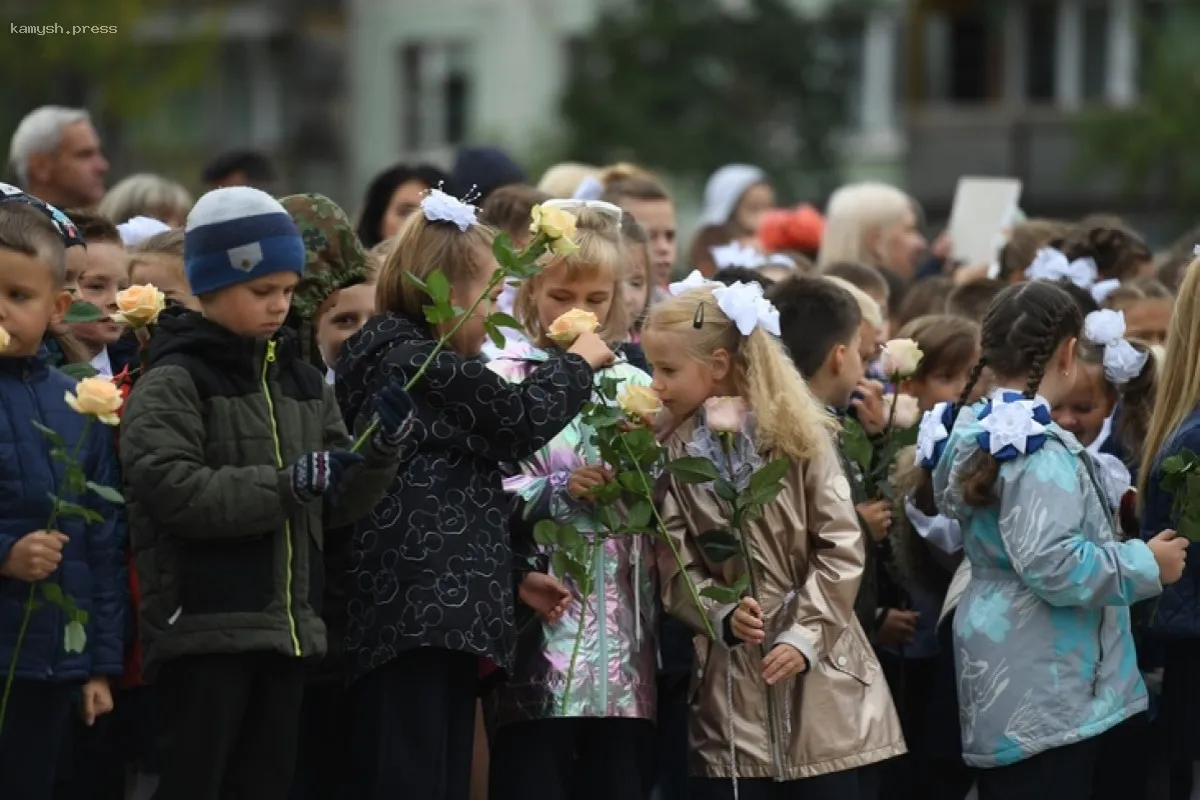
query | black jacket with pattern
[228, 560]
[432, 565]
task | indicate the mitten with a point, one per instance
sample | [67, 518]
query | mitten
[318, 474]
[395, 410]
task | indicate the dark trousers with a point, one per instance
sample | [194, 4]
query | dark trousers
[1064, 773]
[672, 735]
[912, 682]
[35, 725]
[414, 727]
[573, 759]
[95, 760]
[324, 753]
[852, 784]
[231, 726]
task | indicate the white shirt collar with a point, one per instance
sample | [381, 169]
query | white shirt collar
[102, 363]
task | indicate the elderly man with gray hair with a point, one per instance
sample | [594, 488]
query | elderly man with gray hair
[55, 154]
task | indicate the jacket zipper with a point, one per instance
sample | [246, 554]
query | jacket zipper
[58, 623]
[1087, 465]
[773, 733]
[287, 524]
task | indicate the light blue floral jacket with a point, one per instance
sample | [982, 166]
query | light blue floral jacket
[1043, 651]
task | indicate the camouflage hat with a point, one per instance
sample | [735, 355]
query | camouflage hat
[336, 258]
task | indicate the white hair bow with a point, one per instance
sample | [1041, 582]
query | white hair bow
[1122, 361]
[607, 209]
[693, 281]
[1051, 265]
[736, 254]
[139, 229]
[590, 188]
[746, 307]
[437, 206]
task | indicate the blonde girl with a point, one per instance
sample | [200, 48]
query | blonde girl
[1175, 429]
[598, 741]
[753, 732]
[430, 581]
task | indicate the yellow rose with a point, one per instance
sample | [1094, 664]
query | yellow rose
[553, 223]
[96, 397]
[563, 247]
[567, 328]
[639, 401]
[139, 306]
[5, 339]
[901, 357]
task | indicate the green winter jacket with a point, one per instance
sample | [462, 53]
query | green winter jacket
[227, 559]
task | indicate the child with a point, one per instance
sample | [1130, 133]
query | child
[431, 584]
[971, 300]
[927, 296]
[1024, 241]
[601, 740]
[106, 273]
[778, 737]
[158, 260]
[1175, 429]
[234, 459]
[920, 667]
[646, 198]
[1044, 655]
[867, 279]
[508, 210]
[635, 283]
[82, 558]
[1147, 305]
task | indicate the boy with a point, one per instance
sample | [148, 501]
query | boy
[82, 558]
[105, 273]
[821, 326]
[235, 461]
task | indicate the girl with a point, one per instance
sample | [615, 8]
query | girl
[1023, 244]
[1147, 305]
[736, 197]
[925, 549]
[597, 747]
[430, 583]
[158, 260]
[1044, 656]
[646, 198]
[393, 196]
[106, 273]
[1109, 404]
[756, 731]
[1174, 429]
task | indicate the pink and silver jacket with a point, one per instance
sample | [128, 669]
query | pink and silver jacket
[616, 666]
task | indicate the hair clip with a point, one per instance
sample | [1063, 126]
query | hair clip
[608, 209]
[437, 206]
[698, 317]
[1122, 361]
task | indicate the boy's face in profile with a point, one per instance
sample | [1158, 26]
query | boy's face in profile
[341, 316]
[255, 309]
[846, 363]
[29, 301]
[104, 276]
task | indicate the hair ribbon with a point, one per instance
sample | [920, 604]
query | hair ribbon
[1122, 361]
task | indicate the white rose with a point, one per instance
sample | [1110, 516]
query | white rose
[901, 357]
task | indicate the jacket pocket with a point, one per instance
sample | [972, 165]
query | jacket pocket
[850, 656]
[227, 577]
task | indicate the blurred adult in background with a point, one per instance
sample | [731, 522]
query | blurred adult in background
[55, 155]
[735, 199]
[392, 196]
[479, 171]
[874, 224]
[240, 168]
[563, 180]
[146, 195]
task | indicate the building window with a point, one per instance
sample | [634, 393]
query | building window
[1041, 49]
[411, 58]
[456, 91]
[1095, 51]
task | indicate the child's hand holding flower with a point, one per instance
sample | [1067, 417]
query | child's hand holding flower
[96, 397]
[586, 480]
[746, 622]
[901, 357]
[139, 306]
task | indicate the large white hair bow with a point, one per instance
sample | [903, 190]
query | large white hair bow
[747, 308]
[1051, 265]
[437, 206]
[736, 254]
[139, 229]
[694, 280]
[1122, 361]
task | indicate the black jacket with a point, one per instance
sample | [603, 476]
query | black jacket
[432, 565]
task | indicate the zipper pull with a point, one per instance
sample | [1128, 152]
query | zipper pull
[270, 351]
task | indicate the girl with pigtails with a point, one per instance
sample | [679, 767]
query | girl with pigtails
[1044, 657]
[790, 702]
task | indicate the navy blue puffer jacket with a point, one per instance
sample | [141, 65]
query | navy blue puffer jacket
[92, 570]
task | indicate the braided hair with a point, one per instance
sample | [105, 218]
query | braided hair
[1022, 329]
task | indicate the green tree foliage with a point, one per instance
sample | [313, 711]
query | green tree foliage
[1154, 143]
[114, 70]
[690, 85]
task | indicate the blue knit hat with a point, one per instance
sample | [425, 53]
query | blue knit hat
[237, 234]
